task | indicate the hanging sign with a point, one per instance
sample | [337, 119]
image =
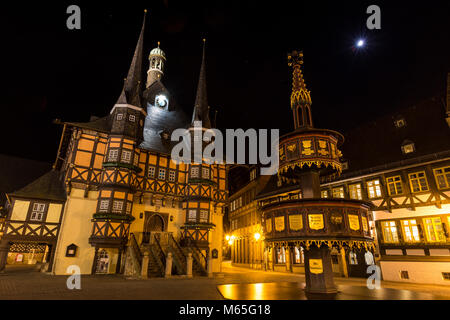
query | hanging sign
[279, 223]
[315, 266]
[353, 221]
[295, 222]
[315, 221]
[269, 225]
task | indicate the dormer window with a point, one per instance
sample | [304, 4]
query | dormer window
[132, 118]
[408, 147]
[399, 122]
[119, 116]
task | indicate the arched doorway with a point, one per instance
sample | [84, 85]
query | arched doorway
[154, 223]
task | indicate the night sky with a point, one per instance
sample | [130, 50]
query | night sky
[51, 72]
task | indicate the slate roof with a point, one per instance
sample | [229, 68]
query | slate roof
[48, 187]
[378, 142]
[101, 124]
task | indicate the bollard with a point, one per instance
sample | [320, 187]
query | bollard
[168, 272]
[189, 265]
[144, 268]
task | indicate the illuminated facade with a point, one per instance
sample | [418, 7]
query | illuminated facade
[115, 202]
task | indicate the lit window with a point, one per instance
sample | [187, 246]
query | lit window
[162, 174]
[408, 147]
[353, 258]
[338, 192]
[374, 189]
[389, 231]
[119, 116]
[442, 176]
[172, 175]
[104, 205]
[400, 123]
[324, 193]
[205, 173]
[394, 185]
[368, 257]
[203, 215]
[38, 212]
[355, 191]
[151, 172]
[117, 206]
[281, 255]
[132, 118]
[113, 154]
[253, 175]
[418, 182]
[192, 215]
[434, 230]
[410, 230]
[126, 156]
[194, 172]
[299, 255]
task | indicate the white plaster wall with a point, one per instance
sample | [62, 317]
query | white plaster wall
[76, 227]
[419, 272]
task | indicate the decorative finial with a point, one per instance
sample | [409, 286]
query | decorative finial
[145, 10]
[204, 40]
[158, 44]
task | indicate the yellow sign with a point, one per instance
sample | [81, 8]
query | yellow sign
[269, 225]
[353, 220]
[323, 150]
[307, 147]
[315, 266]
[315, 221]
[295, 222]
[279, 223]
[365, 224]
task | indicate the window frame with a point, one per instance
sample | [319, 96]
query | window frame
[132, 118]
[417, 179]
[38, 211]
[162, 176]
[395, 183]
[341, 192]
[439, 234]
[391, 232]
[358, 191]
[444, 176]
[115, 156]
[376, 187]
[125, 157]
[410, 226]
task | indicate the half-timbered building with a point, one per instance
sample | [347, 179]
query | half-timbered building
[115, 196]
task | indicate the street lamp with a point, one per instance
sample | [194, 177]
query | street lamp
[257, 235]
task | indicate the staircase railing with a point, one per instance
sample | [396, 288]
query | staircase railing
[199, 257]
[135, 247]
[159, 251]
[179, 258]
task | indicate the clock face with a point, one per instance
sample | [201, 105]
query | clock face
[161, 101]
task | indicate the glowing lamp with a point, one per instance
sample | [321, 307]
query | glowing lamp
[230, 242]
[360, 43]
[227, 237]
[257, 235]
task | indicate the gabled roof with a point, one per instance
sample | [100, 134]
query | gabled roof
[101, 124]
[48, 187]
[379, 141]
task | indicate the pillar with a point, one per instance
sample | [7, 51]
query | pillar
[319, 271]
[343, 262]
[52, 257]
[144, 267]
[119, 262]
[288, 255]
[4, 248]
[189, 265]
[168, 271]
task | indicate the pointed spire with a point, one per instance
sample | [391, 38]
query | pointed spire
[299, 91]
[132, 88]
[201, 108]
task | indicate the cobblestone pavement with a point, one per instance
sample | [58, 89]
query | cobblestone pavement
[27, 284]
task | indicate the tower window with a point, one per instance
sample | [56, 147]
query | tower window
[104, 205]
[113, 154]
[126, 156]
[194, 172]
[162, 174]
[119, 116]
[151, 172]
[117, 206]
[205, 173]
[172, 175]
[132, 118]
[399, 123]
